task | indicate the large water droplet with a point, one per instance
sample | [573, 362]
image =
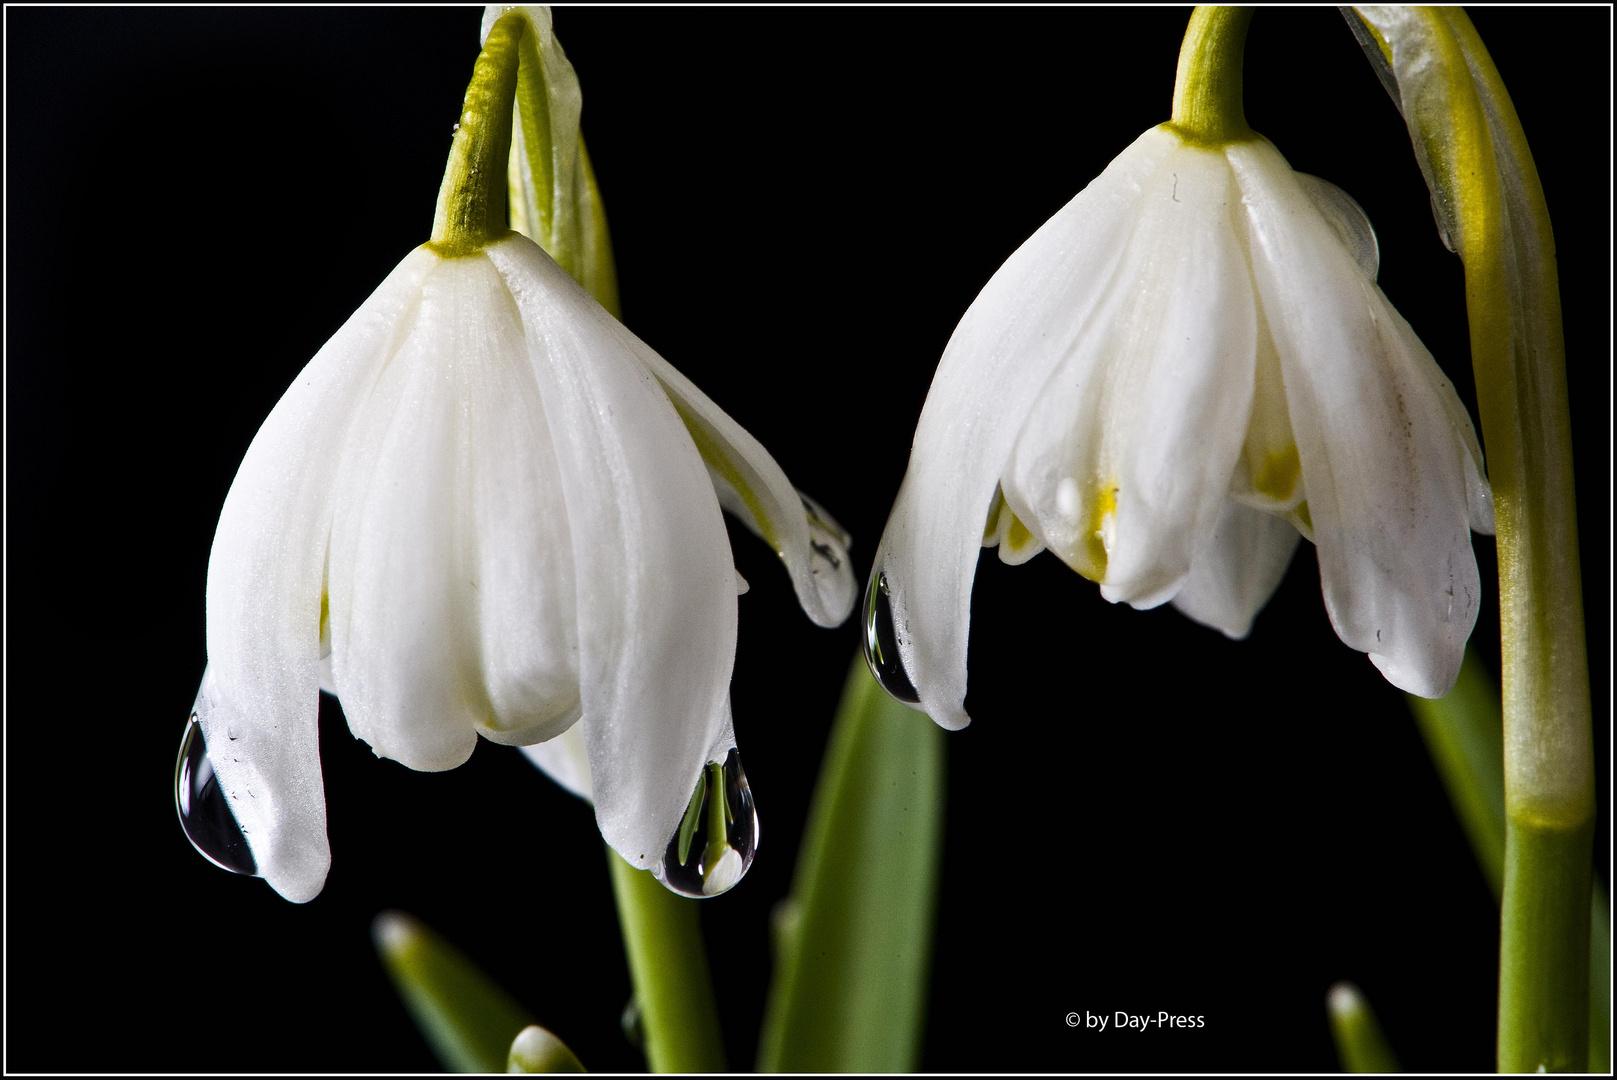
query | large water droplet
[204, 811]
[713, 847]
[881, 643]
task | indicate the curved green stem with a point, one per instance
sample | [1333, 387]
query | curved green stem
[1207, 88]
[471, 200]
[1514, 308]
[663, 937]
[1491, 210]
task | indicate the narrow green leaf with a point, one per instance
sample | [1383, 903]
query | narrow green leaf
[536, 1050]
[1465, 736]
[854, 940]
[1360, 1045]
[468, 1020]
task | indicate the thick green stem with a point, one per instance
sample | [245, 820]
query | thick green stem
[663, 937]
[471, 200]
[1514, 308]
[1543, 1014]
[1207, 89]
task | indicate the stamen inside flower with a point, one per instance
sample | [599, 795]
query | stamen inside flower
[1278, 475]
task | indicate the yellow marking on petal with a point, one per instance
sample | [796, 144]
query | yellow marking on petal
[713, 453]
[1018, 536]
[1095, 543]
[325, 613]
[1302, 515]
[991, 527]
[1278, 475]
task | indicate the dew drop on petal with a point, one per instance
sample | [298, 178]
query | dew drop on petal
[881, 643]
[713, 847]
[204, 810]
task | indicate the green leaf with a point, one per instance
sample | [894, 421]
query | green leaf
[468, 1020]
[1360, 1045]
[854, 939]
[1464, 734]
[536, 1050]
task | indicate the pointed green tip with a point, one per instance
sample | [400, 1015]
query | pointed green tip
[467, 1019]
[1360, 1045]
[538, 1051]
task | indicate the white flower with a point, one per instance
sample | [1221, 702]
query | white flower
[481, 509]
[1183, 369]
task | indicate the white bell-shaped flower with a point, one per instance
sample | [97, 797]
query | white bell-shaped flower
[485, 508]
[1183, 370]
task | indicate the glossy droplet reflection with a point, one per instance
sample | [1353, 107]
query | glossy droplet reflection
[881, 643]
[204, 811]
[713, 847]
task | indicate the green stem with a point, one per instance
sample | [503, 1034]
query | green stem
[718, 817]
[663, 937]
[1207, 88]
[471, 200]
[1514, 309]
[1464, 734]
[1544, 1014]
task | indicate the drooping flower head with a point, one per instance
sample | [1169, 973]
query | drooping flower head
[1182, 372]
[480, 511]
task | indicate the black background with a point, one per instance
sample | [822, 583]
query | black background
[1143, 817]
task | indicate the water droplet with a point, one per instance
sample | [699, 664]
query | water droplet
[204, 811]
[714, 844]
[634, 1030]
[881, 643]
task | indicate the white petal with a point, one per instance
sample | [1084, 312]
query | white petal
[1238, 570]
[1007, 532]
[566, 760]
[1383, 462]
[656, 585]
[451, 568]
[753, 488]
[1010, 339]
[264, 592]
[1125, 460]
[1347, 220]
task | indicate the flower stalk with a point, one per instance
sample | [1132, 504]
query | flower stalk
[1207, 104]
[471, 203]
[1549, 747]
[663, 939]
[1491, 210]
